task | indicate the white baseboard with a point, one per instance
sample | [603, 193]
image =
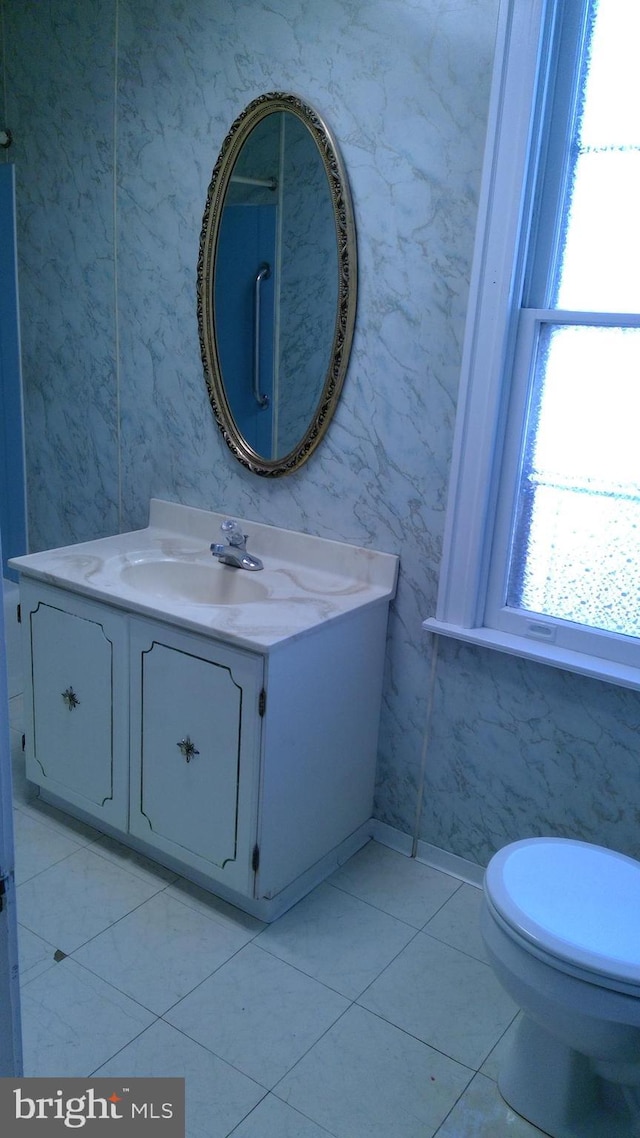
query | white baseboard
[388, 836]
[427, 854]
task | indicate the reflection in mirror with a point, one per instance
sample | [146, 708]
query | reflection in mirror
[276, 284]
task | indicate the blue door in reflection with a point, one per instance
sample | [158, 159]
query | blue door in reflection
[244, 318]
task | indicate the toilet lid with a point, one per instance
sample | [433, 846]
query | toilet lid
[576, 901]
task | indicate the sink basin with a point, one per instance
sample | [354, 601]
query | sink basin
[167, 571]
[193, 582]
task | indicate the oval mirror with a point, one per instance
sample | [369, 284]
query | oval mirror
[277, 283]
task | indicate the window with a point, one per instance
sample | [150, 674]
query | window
[542, 546]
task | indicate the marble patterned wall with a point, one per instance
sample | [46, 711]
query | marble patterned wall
[520, 749]
[119, 108]
[59, 100]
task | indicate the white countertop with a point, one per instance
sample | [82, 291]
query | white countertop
[307, 580]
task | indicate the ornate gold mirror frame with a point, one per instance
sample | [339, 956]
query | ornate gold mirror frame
[331, 378]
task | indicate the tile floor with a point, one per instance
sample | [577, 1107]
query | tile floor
[367, 1011]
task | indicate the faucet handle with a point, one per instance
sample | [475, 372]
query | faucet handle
[233, 533]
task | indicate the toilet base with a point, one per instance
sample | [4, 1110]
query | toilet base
[557, 1089]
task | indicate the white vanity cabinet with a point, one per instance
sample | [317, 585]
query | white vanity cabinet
[150, 730]
[76, 701]
[225, 725]
[195, 751]
[252, 774]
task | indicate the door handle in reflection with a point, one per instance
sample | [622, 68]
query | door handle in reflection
[263, 274]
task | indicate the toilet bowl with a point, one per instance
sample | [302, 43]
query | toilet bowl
[561, 926]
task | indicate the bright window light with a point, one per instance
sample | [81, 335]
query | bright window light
[576, 537]
[541, 552]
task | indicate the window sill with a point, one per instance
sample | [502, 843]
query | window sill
[578, 662]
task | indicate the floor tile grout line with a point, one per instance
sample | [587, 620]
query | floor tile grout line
[301, 971]
[293, 1066]
[422, 928]
[39, 872]
[220, 1058]
[220, 920]
[242, 1120]
[498, 1042]
[70, 955]
[22, 972]
[322, 1129]
[110, 925]
[63, 820]
[472, 1070]
[93, 845]
[96, 976]
[44, 965]
[352, 1002]
[454, 1105]
[379, 908]
[270, 1090]
[444, 903]
[114, 859]
[204, 980]
[200, 908]
[110, 984]
[314, 1121]
[456, 948]
[386, 967]
[96, 1070]
[431, 1046]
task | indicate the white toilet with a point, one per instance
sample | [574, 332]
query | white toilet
[561, 924]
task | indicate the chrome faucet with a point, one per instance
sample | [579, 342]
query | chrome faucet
[235, 552]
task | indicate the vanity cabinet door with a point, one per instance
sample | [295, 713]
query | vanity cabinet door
[77, 724]
[195, 751]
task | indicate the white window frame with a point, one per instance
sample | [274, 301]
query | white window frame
[478, 451]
